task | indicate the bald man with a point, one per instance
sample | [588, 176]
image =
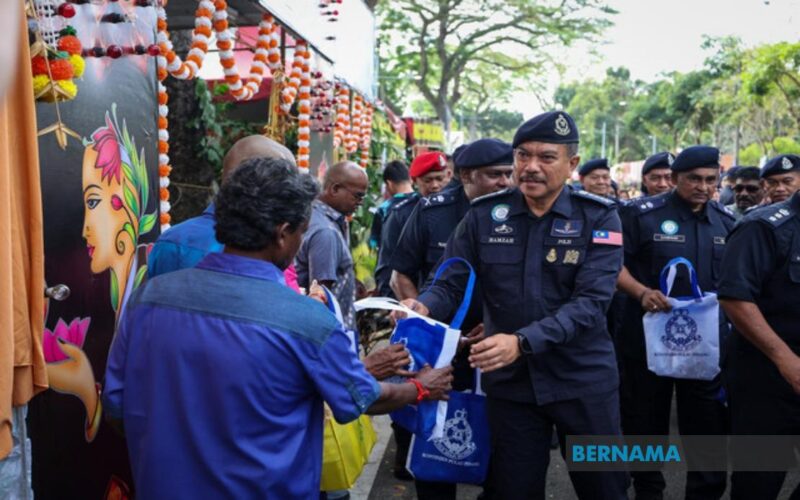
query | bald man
[185, 244]
[325, 252]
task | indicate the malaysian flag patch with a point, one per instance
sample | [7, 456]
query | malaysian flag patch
[603, 237]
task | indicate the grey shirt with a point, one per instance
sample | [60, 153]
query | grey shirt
[325, 256]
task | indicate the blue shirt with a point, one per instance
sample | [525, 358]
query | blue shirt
[184, 245]
[221, 391]
[549, 278]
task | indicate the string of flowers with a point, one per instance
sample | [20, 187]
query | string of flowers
[366, 135]
[354, 134]
[55, 69]
[304, 114]
[164, 168]
[201, 36]
[342, 127]
[273, 43]
[289, 92]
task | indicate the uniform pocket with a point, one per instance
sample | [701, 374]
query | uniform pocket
[504, 265]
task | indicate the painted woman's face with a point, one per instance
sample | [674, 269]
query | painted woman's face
[103, 217]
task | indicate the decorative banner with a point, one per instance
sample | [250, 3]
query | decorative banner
[429, 133]
[101, 202]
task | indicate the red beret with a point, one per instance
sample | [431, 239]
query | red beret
[433, 161]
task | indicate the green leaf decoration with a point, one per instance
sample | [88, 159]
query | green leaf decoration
[146, 223]
[128, 228]
[130, 199]
[143, 179]
[114, 290]
[140, 275]
[126, 171]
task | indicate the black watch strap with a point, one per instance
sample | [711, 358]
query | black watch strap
[524, 346]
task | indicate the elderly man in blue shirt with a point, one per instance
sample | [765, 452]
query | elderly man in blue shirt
[219, 372]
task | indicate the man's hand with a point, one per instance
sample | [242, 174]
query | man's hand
[412, 304]
[473, 337]
[790, 370]
[387, 362]
[437, 381]
[654, 301]
[494, 352]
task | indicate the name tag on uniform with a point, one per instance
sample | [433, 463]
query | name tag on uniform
[563, 228]
[719, 240]
[502, 240]
[673, 238]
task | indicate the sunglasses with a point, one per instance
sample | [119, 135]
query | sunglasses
[749, 189]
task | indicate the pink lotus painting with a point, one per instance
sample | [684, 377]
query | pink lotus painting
[74, 333]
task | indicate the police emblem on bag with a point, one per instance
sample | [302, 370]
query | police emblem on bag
[456, 443]
[680, 332]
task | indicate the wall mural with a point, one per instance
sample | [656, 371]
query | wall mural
[100, 201]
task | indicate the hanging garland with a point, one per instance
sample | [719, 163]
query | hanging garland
[201, 36]
[164, 168]
[354, 134]
[289, 92]
[342, 127]
[366, 135]
[304, 115]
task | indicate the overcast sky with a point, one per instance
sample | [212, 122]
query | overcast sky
[650, 37]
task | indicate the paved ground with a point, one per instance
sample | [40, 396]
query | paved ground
[378, 483]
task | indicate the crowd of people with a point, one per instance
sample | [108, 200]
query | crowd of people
[224, 357]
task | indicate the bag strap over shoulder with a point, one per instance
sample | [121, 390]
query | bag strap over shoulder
[461, 313]
[671, 270]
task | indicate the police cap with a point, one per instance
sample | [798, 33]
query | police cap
[780, 165]
[484, 153]
[589, 166]
[658, 160]
[555, 127]
[696, 157]
[434, 161]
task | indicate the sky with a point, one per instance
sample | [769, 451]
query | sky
[651, 37]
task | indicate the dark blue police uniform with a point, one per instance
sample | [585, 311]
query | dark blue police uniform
[396, 217]
[551, 279]
[762, 265]
[658, 229]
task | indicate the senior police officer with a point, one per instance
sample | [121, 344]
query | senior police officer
[760, 292]
[428, 171]
[484, 166]
[595, 177]
[781, 177]
[684, 222]
[547, 258]
[656, 174]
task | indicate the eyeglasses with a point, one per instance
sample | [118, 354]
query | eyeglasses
[749, 188]
[358, 195]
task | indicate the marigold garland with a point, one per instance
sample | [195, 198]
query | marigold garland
[366, 135]
[164, 168]
[200, 39]
[354, 135]
[54, 69]
[304, 114]
[342, 127]
[289, 92]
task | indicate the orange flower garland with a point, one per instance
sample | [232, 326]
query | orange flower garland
[240, 91]
[304, 115]
[354, 134]
[289, 93]
[201, 36]
[366, 135]
[342, 127]
[163, 145]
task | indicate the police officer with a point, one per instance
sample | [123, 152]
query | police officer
[484, 166]
[656, 174]
[428, 171]
[781, 177]
[397, 184]
[760, 292]
[595, 177]
[748, 192]
[547, 257]
[684, 222]
[726, 193]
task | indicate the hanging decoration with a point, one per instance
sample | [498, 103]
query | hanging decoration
[366, 135]
[289, 92]
[342, 127]
[304, 114]
[322, 105]
[354, 135]
[164, 167]
[201, 37]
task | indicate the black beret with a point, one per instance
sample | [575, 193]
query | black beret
[593, 165]
[780, 165]
[658, 160]
[484, 153]
[731, 172]
[696, 157]
[555, 127]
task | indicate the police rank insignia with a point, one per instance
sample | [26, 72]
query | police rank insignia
[551, 256]
[500, 212]
[563, 227]
[571, 256]
[562, 126]
[669, 227]
[786, 164]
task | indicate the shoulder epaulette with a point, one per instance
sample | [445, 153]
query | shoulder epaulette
[438, 199]
[580, 193]
[490, 196]
[776, 214]
[405, 201]
[722, 209]
[646, 204]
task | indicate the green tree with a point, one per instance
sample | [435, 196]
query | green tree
[437, 45]
[775, 68]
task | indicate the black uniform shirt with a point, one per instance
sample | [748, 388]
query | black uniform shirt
[393, 224]
[549, 278]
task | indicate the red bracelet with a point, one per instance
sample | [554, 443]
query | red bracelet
[422, 392]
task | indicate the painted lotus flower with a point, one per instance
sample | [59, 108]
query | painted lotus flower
[74, 333]
[108, 151]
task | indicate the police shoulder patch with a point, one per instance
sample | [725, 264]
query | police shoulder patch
[776, 214]
[438, 199]
[722, 209]
[646, 204]
[490, 196]
[580, 193]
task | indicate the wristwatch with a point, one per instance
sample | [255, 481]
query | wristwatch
[524, 346]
